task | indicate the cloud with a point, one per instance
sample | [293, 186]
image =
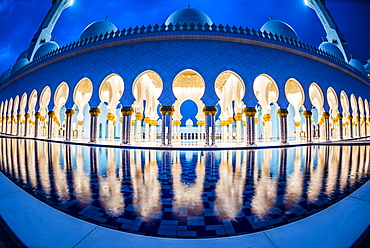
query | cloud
[5, 5]
[6, 54]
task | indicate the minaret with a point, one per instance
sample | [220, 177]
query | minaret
[43, 34]
[333, 33]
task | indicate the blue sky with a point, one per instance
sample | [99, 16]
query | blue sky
[20, 19]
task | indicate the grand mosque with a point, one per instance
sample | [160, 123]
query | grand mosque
[130, 85]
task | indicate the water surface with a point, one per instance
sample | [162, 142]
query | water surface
[193, 194]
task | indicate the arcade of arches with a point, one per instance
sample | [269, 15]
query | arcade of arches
[230, 122]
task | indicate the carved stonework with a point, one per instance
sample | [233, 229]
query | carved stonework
[188, 79]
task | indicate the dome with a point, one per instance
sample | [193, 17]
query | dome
[19, 64]
[97, 28]
[358, 65]
[5, 75]
[23, 54]
[46, 48]
[189, 123]
[367, 66]
[332, 49]
[188, 15]
[279, 28]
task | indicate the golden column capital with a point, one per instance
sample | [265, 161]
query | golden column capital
[37, 115]
[282, 113]
[127, 111]
[111, 117]
[266, 117]
[250, 111]
[339, 116]
[94, 112]
[238, 116]
[201, 123]
[51, 114]
[70, 112]
[307, 114]
[26, 116]
[326, 115]
[139, 116]
[350, 117]
[210, 110]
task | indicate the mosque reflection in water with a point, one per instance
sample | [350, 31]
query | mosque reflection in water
[185, 193]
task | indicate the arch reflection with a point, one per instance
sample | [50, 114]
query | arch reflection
[182, 194]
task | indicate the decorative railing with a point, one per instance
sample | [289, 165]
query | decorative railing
[211, 29]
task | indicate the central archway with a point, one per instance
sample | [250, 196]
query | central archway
[187, 85]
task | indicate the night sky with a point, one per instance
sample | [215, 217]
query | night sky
[20, 19]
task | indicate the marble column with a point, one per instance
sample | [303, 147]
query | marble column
[19, 119]
[340, 126]
[283, 114]
[11, 124]
[358, 126]
[170, 112]
[238, 118]
[350, 118]
[37, 119]
[50, 124]
[94, 113]
[69, 115]
[26, 117]
[213, 111]
[326, 116]
[210, 113]
[308, 116]
[126, 124]
[250, 131]
[139, 117]
[111, 117]
[267, 128]
[6, 123]
[163, 134]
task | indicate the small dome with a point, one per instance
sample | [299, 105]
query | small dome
[46, 48]
[367, 66]
[358, 65]
[279, 28]
[19, 64]
[97, 28]
[188, 15]
[23, 54]
[189, 123]
[5, 75]
[332, 49]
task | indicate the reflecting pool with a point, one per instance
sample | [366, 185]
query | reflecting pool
[193, 194]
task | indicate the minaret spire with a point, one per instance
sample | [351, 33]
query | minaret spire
[43, 34]
[333, 33]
